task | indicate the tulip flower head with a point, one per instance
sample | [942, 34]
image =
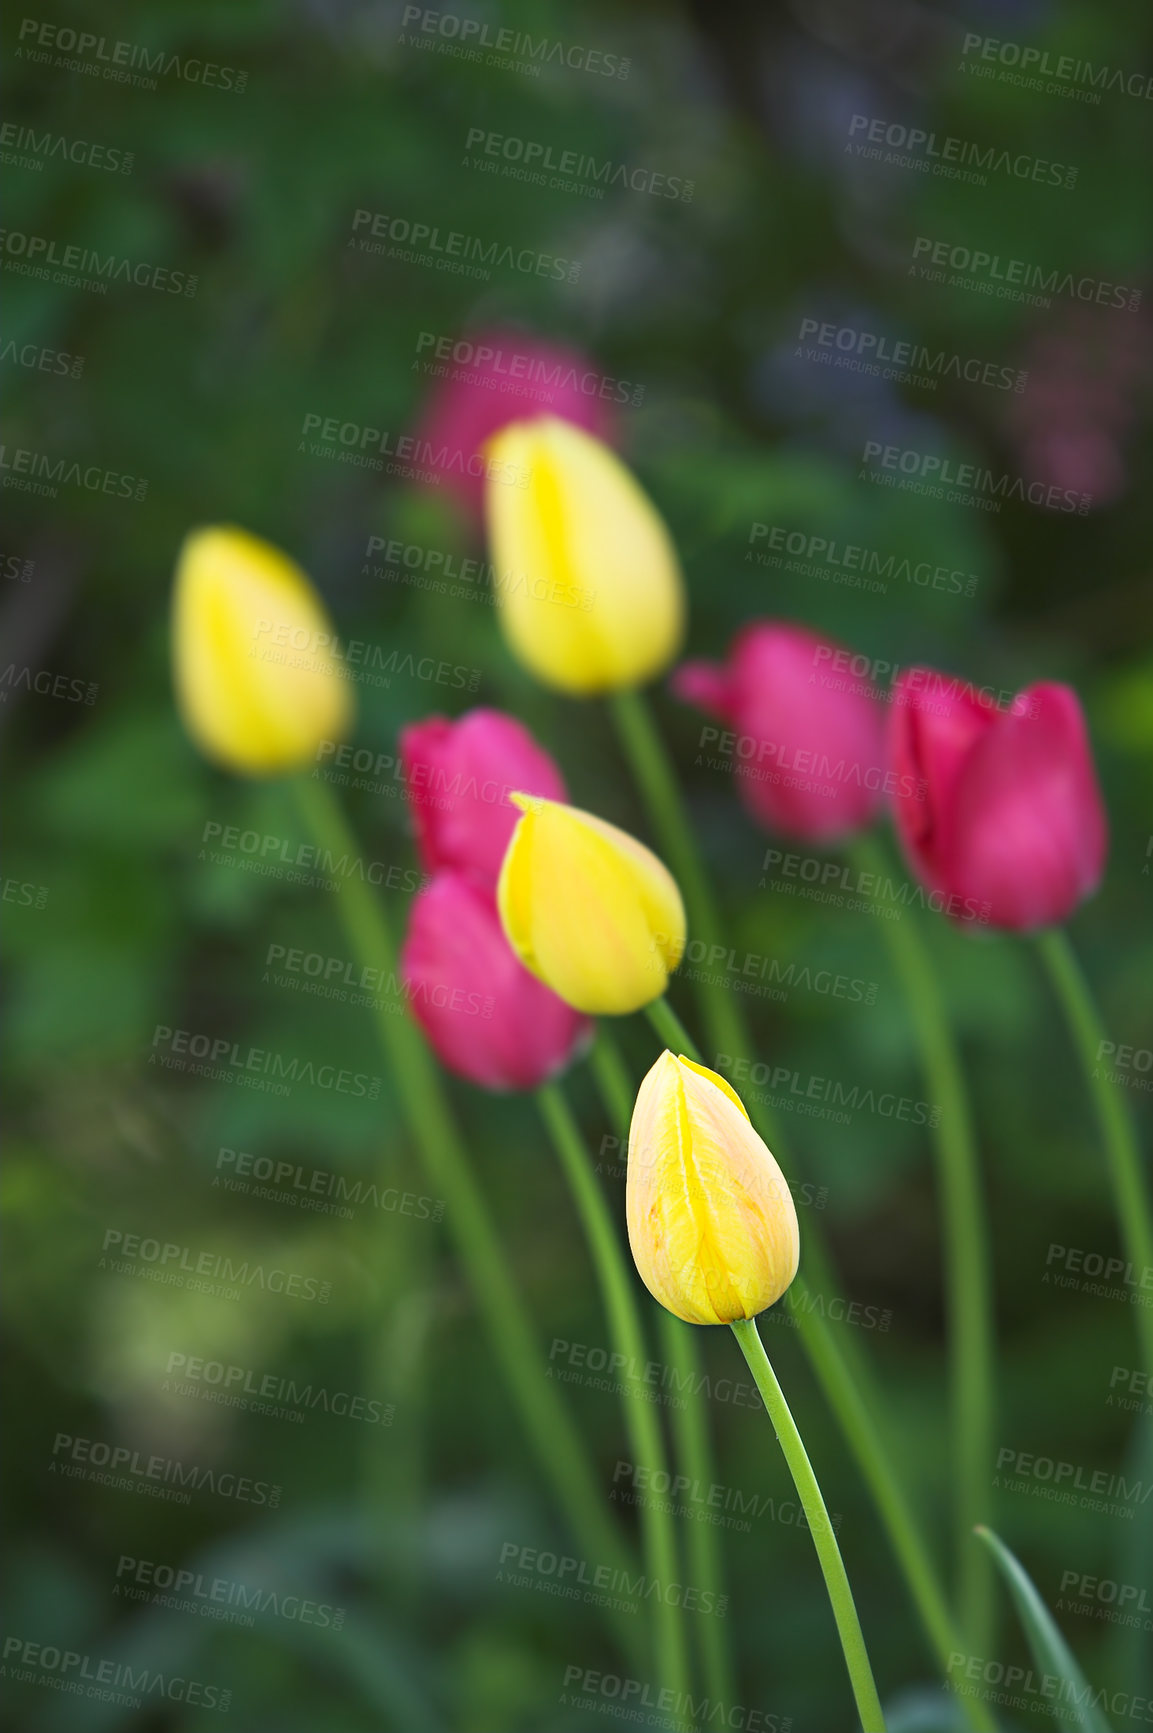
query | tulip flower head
[809, 751]
[711, 1219]
[588, 909]
[486, 1017]
[998, 810]
[255, 681]
[458, 777]
[589, 591]
[472, 400]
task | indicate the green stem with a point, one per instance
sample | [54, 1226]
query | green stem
[968, 1266]
[644, 1432]
[657, 781]
[841, 1374]
[1122, 1155]
[821, 1528]
[557, 1444]
[841, 1380]
[671, 1030]
[681, 1350]
[842, 1392]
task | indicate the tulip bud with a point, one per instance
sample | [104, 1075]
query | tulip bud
[487, 1018]
[458, 777]
[998, 810]
[588, 909]
[484, 386]
[588, 588]
[809, 749]
[711, 1220]
[257, 685]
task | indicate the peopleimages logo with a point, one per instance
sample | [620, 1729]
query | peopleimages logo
[185, 1591]
[40, 473]
[77, 1457]
[575, 1579]
[267, 1393]
[369, 447]
[849, 563]
[119, 62]
[926, 472]
[1012, 279]
[84, 268]
[484, 43]
[516, 373]
[1015, 1687]
[1055, 74]
[225, 1058]
[171, 1264]
[624, 1698]
[954, 158]
[24, 147]
[462, 255]
[317, 1188]
[107, 1681]
[450, 574]
[529, 160]
[874, 354]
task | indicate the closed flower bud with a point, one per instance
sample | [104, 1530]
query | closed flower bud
[807, 743]
[457, 778]
[476, 394]
[998, 810]
[711, 1220]
[486, 1017]
[588, 588]
[257, 684]
[588, 909]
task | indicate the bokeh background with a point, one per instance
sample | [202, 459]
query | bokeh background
[118, 921]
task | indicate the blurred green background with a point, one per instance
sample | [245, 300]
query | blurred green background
[116, 922]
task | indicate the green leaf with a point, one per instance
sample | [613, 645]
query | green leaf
[1075, 1709]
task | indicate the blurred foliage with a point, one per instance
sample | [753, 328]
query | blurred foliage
[129, 927]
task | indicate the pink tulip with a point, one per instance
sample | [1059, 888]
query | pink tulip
[487, 1018]
[458, 777]
[809, 744]
[1012, 821]
[494, 377]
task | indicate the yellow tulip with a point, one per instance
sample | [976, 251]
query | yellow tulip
[256, 680]
[587, 909]
[589, 591]
[711, 1220]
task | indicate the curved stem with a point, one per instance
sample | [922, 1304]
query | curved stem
[671, 1030]
[828, 1552]
[968, 1266]
[657, 781]
[417, 1082]
[843, 1376]
[681, 1350]
[842, 1392]
[1122, 1154]
[614, 1085]
[645, 1441]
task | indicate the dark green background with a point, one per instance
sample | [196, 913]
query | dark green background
[205, 397]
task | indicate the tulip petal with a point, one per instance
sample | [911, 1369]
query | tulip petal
[936, 721]
[588, 587]
[1028, 830]
[458, 778]
[809, 754]
[475, 399]
[257, 687]
[593, 919]
[488, 1019]
[711, 1221]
